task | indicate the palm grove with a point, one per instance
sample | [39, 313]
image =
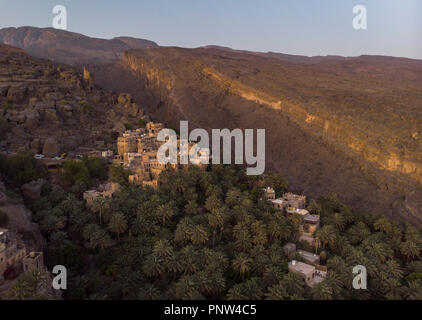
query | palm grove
[208, 235]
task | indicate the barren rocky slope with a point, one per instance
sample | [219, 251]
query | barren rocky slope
[53, 107]
[348, 125]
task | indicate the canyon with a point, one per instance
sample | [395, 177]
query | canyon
[349, 125]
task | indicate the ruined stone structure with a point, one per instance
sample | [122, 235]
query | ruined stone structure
[11, 253]
[103, 191]
[33, 261]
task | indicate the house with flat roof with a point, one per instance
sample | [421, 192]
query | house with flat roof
[309, 273]
[309, 238]
[278, 204]
[269, 193]
[295, 200]
[309, 256]
[310, 223]
[289, 248]
[306, 271]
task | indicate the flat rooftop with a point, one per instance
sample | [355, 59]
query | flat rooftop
[308, 255]
[301, 267]
[278, 201]
[311, 218]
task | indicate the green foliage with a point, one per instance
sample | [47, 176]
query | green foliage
[97, 168]
[85, 106]
[119, 174]
[31, 285]
[128, 126]
[75, 171]
[205, 235]
[21, 168]
[142, 123]
[278, 183]
[7, 105]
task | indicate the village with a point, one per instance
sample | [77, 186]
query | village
[137, 153]
[291, 204]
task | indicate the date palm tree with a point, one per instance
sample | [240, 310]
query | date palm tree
[322, 291]
[380, 251]
[153, 266]
[241, 264]
[276, 292]
[164, 213]
[410, 250]
[118, 224]
[326, 235]
[98, 206]
[382, 224]
[294, 285]
[149, 292]
[199, 235]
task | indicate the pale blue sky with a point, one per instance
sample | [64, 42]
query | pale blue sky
[308, 27]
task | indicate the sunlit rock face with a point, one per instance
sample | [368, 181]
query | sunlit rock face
[351, 126]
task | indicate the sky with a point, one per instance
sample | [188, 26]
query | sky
[305, 27]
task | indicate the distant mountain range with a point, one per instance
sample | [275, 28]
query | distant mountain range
[69, 47]
[351, 125]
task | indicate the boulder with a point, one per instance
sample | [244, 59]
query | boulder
[53, 96]
[51, 148]
[35, 145]
[32, 190]
[50, 115]
[124, 98]
[3, 91]
[20, 220]
[32, 102]
[31, 117]
[119, 127]
[17, 94]
[66, 110]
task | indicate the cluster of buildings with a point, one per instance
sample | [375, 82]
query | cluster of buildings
[137, 152]
[290, 204]
[293, 204]
[14, 257]
[309, 269]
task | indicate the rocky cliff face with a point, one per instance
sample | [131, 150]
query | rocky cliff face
[20, 220]
[349, 125]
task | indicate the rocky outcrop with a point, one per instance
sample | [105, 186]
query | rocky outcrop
[57, 108]
[32, 190]
[20, 221]
[51, 148]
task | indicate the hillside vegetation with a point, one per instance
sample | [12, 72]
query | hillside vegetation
[207, 235]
